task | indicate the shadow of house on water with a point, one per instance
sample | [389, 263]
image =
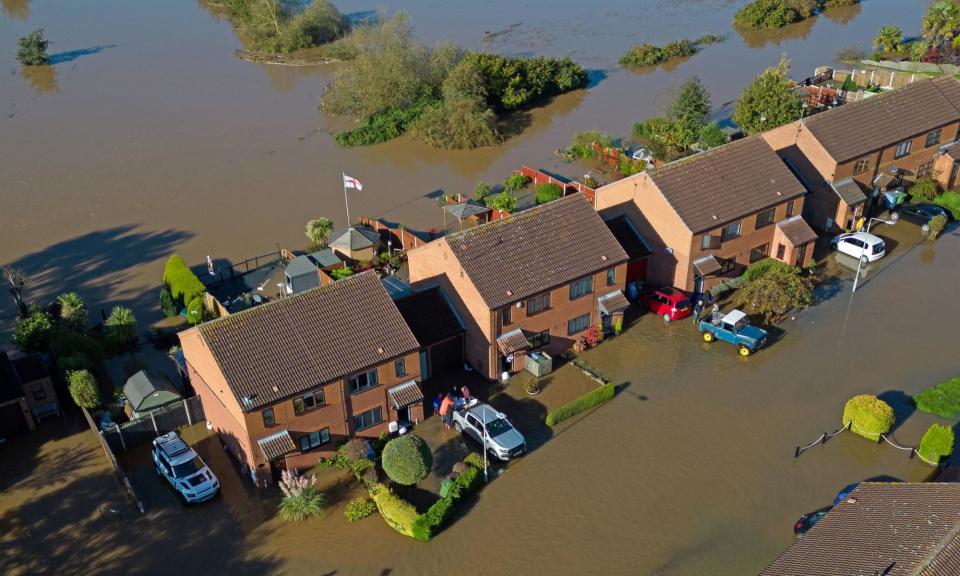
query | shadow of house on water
[71, 55]
[902, 404]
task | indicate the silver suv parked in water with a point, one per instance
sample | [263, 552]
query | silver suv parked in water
[491, 429]
[176, 461]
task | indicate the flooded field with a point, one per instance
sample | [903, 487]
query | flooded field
[148, 136]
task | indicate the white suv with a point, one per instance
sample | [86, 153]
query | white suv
[184, 470]
[860, 245]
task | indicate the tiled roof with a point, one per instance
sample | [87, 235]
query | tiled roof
[613, 302]
[465, 209]
[308, 263]
[430, 317]
[797, 230]
[512, 341]
[708, 265]
[852, 130]
[405, 394]
[536, 250]
[895, 529]
[628, 237]
[297, 343]
[277, 445]
[726, 183]
[849, 191]
[354, 238]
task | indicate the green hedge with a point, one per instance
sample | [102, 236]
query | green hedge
[937, 442]
[761, 268]
[942, 400]
[951, 201]
[581, 404]
[870, 416]
[183, 283]
[397, 512]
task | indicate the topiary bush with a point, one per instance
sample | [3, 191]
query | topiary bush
[868, 416]
[761, 268]
[183, 283]
[407, 460]
[397, 512]
[942, 399]
[937, 442]
[581, 404]
[548, 192]
[359, 508]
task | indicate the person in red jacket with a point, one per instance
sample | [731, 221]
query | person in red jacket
[446, 410]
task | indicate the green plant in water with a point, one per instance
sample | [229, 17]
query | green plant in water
[359, 508]
[868, 416]
[300, 498]
[942, 399]
[32, 49]
[83, 389]
[407, 460]
[937, 443]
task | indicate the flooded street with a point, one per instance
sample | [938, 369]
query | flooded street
[148, 136]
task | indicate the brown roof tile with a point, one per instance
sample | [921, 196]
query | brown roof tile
[849, 191]
[276, 445]
[797, 230]
[405, 394]
[535, 250]
[512, 341]
[726, 183]
[274, 351]
[852, 130]
[895, 529]
[614, 302]
[429, 316]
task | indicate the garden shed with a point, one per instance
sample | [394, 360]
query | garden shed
[147, 391]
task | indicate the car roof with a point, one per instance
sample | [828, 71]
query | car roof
[486, 413]
[176, 450]
[863, 236]
[734, 316]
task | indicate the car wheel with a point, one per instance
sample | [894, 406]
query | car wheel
[708, 337]
[895, 216]
[458, 427]
[864, 260]
[744, 351]
[666, 317]
[833, 246]
[183, 500]
[925, 228]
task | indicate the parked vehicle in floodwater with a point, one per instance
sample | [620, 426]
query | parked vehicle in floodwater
[921, 212]
[866, 247]
[490, 429]
[186, 472]
[809, 520]
[668, 303]
[735, 328]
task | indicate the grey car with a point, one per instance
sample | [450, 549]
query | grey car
[501, 439]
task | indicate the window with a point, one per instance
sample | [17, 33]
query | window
[903, 149]
[766, 218]
[861, 166]
[578, 324]
[933, 138]
[789, 208]
[730, 231]
[727, 265]
[759, 253]
[925, 170]
[361, 382]
[38, 392]
[611, 276]
[539, 339]
[268, 419]
[781, 251]
[308, 402]
[368, 418]
[582, 287]
[706, 242]
[538, 304]
[314, 439]
[505, 316]
[400, 366]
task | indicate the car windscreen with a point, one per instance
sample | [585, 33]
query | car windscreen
[878, 248]
[187, 468]
[497, 427]
[683, 304]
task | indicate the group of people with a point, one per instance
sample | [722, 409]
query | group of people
[445, 405]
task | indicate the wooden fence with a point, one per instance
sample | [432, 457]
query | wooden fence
[569, 186]
[399, 236]
[172, 417]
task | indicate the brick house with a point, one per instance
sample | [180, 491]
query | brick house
[27, 395]
[848, 155]
[282, 383]
[533, 281]
[708, 216]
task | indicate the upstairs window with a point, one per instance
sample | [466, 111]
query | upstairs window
[38, 392]
[933, 138]
[308, 402]
[903, 149]
[580, 288]
[611, 276]
[538, 304]
[730, 231]
[505, 316]
[766, 218]
[861, 166]
[362, 382]
[400, 365]
[268, 419]
[790, 206]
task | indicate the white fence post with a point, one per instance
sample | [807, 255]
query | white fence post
[154, 420]
[120, 434]
[186, 408]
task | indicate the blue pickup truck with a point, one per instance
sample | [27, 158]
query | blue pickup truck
[736, 329]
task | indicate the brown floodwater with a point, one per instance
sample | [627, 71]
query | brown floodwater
[147, 136]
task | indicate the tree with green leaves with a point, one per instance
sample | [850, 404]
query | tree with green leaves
[407, 460]
[318, 231]
[889, 39]
[32, 333]
[941, 23]
[691, 106]
[503, 202]
[712, 136]
[83, 389]
[775, 293]
[32, 49]
[769, 101]
[73, 311]
[918, 50]
[548, 192]
[121, 328]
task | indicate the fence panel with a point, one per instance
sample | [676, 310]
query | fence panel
[166, 419]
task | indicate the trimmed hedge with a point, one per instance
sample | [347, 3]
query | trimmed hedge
[870, 416]
[763, 267]
[942, 400]
[937, 442]
[359, 508]
[581, 404]
[184, 284]
[407, 459]
[397, 512]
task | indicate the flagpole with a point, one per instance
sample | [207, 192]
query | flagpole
[345, 201]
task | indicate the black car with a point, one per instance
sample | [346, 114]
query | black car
[922, 212]
[808, 521]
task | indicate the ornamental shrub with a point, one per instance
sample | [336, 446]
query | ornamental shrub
[195, 311]
[359, 508]
[474, 459]
[942, 399]
[761, 268]
[587, 401]
[183, 283]
[83, 389]
[937, 442]
[516, 182]
[300, 498]
[32, 334]
[936, 226]
[643, 55]
[924, 190]
[503, 202]
[548, 192]
[167, 305]
[407, 460]
[32, 49]
[397, 512]
[868, 416]
[469, 480]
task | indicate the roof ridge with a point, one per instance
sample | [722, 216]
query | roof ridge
[936, 85]
[513, 217]
[670, 166]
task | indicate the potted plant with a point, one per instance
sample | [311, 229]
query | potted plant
[532, 386]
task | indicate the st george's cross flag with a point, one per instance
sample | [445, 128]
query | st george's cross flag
[351, 182]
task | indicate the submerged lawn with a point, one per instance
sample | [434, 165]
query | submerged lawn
[942, 400]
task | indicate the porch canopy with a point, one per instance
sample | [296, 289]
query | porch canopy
[707, 265]
[796, 230]
[405, 394]
[512, 342]
[613, 302]
[849, 191]
[277, 445]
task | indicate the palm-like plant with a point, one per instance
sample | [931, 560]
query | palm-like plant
[318, 230]
[73, 312]
[121, 327]
[941, 22]
[888, 39]
[300, 497]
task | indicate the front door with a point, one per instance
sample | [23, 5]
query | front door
[424, 365]
[697, 286]
[403, 414]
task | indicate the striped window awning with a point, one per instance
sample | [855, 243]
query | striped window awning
[512, 342]
[613, 302]
[405, 394]
[277, 445]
